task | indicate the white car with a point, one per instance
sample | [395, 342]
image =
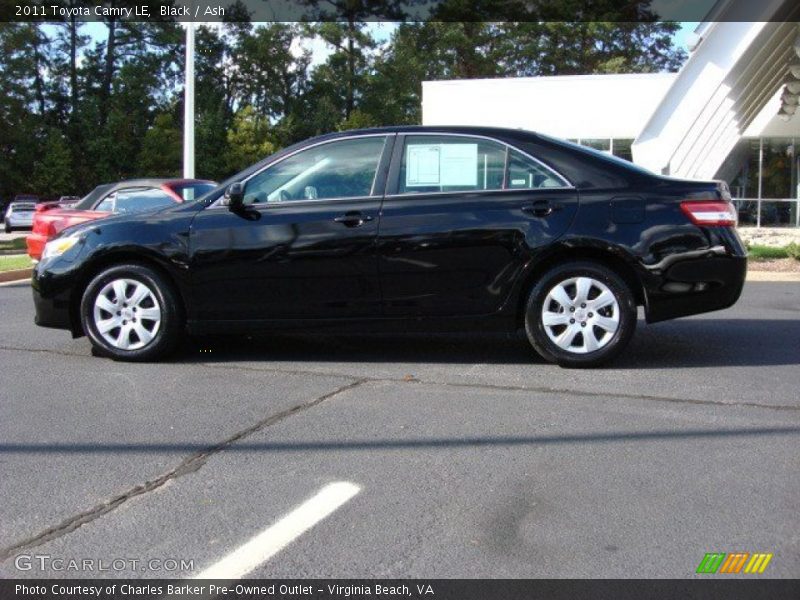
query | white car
[19, 214]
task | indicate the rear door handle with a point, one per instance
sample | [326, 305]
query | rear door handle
[542, 208]
[353, 218]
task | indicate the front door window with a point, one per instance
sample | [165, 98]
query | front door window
[340, 169]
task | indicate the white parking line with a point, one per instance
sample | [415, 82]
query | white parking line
[275, 538]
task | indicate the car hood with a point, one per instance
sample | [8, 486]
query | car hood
[143, 218]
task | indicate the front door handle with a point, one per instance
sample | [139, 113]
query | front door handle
[353, 218]
[542, 208]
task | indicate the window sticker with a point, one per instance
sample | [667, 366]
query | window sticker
[459, 164]
[422, 165]
[442, 165]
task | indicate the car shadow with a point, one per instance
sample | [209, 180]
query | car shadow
[683, 343]
[424, 443]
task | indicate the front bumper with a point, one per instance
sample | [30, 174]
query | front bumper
[52, 300]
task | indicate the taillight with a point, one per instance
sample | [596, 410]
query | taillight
[707, 214]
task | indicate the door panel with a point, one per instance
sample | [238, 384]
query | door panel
[304, 245]
[460, 254]
[294, 261]
[462, 219]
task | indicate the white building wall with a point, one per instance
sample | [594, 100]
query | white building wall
[572, 106]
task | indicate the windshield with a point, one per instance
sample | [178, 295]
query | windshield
[89, 200]
[192, 191]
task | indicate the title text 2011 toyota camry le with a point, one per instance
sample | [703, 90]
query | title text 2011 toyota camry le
[412, 228]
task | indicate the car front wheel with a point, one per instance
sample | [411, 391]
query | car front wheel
[580, 314]
[130, 312]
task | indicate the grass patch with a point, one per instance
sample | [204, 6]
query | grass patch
[767, 252]
[15, 244]
[17, 261]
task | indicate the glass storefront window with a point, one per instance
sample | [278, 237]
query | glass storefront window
[598, 144]
[619, 147]
[622, 149]
[740, 169]
[764, 169]
[777, 181]
[777, 214]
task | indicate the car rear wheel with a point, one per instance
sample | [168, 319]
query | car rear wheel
[580, 314]
[130, 312]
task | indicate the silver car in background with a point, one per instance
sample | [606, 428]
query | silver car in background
[19, 214]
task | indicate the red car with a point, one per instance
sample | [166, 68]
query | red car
[135, 195]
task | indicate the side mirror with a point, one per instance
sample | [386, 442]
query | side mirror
[234, 197]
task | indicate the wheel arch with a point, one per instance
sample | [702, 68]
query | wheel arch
[608, 257]
[111, 259]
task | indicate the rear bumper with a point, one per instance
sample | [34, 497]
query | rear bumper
[698, 280]
[696, 286]
[14, 221]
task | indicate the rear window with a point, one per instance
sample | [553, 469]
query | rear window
[620, 162]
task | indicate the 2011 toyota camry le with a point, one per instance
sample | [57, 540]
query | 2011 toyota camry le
[405, 228]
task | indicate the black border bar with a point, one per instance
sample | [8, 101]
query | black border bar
[395, 10]
[712, 588]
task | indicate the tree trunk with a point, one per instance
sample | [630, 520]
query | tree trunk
[73, 64]
[351, 68]
[108, 75]
[38, 82]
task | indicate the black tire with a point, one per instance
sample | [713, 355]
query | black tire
[624, 312]
[169, 331]
[8, 228]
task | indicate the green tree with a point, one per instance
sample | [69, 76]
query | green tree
[23, 104]
[558, 48]
[248, 139]
[344, 29]
[276, 75]
[458, 50]
[162, 149]
[52, 172]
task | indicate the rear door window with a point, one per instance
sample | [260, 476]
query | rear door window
[433, 163]
[446, 163]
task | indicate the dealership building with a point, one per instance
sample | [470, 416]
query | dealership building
[729, 113]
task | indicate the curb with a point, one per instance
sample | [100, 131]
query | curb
[772, 276]
[15, 275]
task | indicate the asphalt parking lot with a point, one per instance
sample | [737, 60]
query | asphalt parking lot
[443, 456]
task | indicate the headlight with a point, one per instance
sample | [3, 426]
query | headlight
[58, 246]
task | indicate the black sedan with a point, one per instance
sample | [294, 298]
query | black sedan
[412, 228]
